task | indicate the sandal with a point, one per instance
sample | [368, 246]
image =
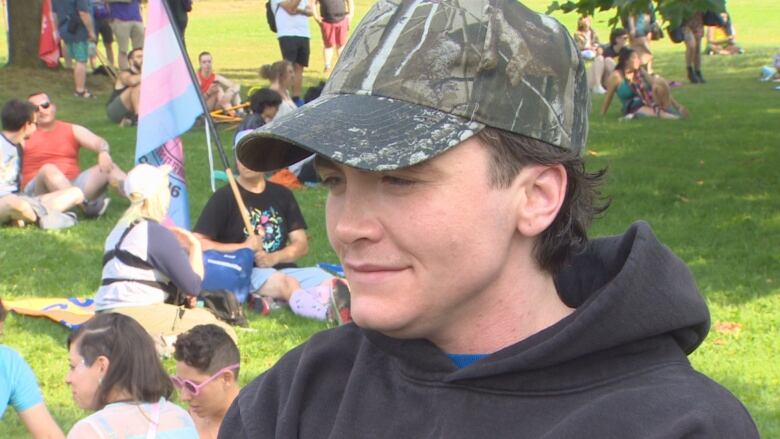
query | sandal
[83, 94]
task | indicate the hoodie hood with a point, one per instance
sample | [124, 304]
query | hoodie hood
[633, 298]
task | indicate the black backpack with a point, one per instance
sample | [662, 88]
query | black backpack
[224, 305]
[270, 15]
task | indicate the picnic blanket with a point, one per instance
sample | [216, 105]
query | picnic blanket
[70, 312]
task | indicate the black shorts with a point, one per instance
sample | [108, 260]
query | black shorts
[103, 27]
[295, 50]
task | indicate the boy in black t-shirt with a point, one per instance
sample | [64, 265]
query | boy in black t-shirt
[278, 240]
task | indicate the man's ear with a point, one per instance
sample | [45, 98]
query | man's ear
[542, 191]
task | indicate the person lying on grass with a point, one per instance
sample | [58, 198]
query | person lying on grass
[18, 388]
[207, 365]
[114, 371]
[146, 263]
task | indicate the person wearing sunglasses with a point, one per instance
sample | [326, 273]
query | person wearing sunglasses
[51, 159]
[207, 364]
[115, 372]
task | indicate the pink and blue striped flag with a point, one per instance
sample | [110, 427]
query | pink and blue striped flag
[168, 107]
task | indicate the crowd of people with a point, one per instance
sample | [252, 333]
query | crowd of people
[505, 336]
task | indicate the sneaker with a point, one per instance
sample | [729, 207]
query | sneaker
[599, 90]
[95, 208]
[57, 221]
[339, 309]
[262, 305]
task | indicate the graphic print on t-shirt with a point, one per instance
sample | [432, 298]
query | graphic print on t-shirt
[270, 225]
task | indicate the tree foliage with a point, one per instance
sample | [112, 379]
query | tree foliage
[673, 11]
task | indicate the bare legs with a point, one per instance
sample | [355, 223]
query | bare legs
[80, 76]
[14, 208]
[298, 80]
[50, 179]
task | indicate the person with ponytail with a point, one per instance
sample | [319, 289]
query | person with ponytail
[115, 372]
[147, 264]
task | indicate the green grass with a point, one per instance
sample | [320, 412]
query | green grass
[707, 185]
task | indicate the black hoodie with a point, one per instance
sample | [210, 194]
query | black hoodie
[614, 368]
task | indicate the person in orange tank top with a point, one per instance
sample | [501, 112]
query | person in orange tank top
[51, 159]
[217, 90]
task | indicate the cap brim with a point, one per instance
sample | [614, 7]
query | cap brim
[372, 133]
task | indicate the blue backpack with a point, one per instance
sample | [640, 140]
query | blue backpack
[229, 271]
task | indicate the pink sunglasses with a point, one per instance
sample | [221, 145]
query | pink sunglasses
[194, 389]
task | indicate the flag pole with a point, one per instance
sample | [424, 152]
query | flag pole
[210, 122]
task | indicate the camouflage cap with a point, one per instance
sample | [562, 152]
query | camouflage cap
[419, 77]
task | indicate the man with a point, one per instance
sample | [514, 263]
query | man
[122, 107]
[74, 24]
[51, 159]
[292, 30]
[18, 123]
[278, 240]
[207, 365]
[217, 90]
[334, 17]
[451, 137]
[128, 26]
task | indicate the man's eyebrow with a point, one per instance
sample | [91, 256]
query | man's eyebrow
[321, 162]
[426, 167]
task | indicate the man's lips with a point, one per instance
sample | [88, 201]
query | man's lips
[370, 272]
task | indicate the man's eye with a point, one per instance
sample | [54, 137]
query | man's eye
[330, 181]
[397, 181]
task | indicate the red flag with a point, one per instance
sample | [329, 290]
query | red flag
[49, 44]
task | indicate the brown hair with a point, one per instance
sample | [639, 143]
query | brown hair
[568, 232]
[16, 114]
[207, 348]
[134, 366]
[274, 72]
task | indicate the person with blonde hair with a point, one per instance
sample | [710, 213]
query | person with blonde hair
[146, 263]
[115, 372]
[281, 75]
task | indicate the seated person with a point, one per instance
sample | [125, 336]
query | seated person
[51, 159]
[122, 107]
[640, 93]
[18, 124]
[586, 39]
[218, 91]
[263, 106]
[19, 388]
[115, 372]
[281, 76]
[722, 40]
[604, 63]
[278, 240]
[207, 364]
[144, 263]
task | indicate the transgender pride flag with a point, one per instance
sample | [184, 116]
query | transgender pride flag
[169, 104]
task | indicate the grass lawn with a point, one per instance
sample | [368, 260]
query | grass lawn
[708, 186]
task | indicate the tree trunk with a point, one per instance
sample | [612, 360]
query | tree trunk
[24, 29]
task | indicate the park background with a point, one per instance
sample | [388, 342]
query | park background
[707, 185]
